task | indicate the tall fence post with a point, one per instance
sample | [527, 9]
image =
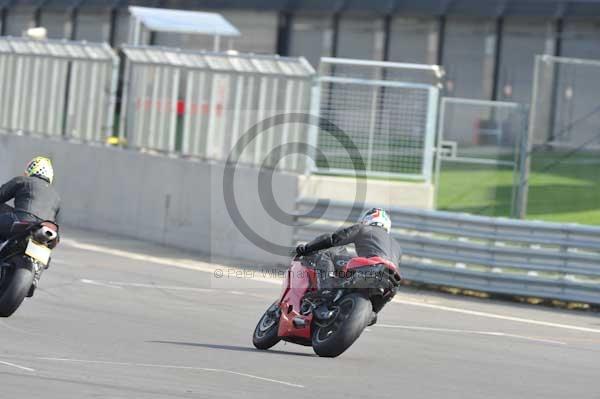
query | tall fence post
[525, 147]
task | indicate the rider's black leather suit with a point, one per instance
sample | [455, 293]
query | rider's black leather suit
[34, 199]
[369, 241]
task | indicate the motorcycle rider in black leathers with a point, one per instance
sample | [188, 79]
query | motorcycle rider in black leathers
[370, 237]
[35, 198]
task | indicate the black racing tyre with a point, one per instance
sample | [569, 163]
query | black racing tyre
[14, 288]
[265, 334]
[352, 316]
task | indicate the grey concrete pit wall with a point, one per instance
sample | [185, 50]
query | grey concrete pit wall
[156, 198]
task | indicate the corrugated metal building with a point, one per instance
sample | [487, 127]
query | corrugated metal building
[486, 46]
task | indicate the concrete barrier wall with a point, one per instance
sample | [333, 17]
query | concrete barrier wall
[157, 198]
[418, 195]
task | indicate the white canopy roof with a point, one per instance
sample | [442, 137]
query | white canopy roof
[165, 20]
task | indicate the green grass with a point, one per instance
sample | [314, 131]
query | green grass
[561, 188]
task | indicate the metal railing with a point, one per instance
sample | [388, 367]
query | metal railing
[58, 88]
[496, 255]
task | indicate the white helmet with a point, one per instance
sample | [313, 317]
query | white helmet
[377, 217]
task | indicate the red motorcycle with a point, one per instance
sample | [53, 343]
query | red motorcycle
[329, 320]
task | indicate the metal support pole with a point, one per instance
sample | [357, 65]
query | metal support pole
[438, 151]
[497, 55]
[67, 97]
[112, 35]
[441, 39]
[335, 25]
[112, 99]
[525, 148]
[284, 33]
[429, 149]
[387, 33]
[125, 108]
[558, 30]
[37, 17]
[73, 22]
[520, 208]
[313, 130]
[3, 17]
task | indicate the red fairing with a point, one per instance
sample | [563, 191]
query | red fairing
[298, 281]
[358, 262]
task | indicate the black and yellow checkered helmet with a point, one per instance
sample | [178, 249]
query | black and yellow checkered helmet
[40, 167]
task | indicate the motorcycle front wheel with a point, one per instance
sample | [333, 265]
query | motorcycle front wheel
[265, 334]
[352, 315]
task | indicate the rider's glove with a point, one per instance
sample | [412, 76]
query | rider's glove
[301, 250]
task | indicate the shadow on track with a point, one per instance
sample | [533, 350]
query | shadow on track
[233, 348]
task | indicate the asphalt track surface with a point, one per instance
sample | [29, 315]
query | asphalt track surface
[117, 318]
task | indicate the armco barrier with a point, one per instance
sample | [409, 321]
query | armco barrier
[497, 255]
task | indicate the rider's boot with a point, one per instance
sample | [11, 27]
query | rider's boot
[373, 319]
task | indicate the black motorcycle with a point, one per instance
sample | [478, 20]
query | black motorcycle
[23, 258]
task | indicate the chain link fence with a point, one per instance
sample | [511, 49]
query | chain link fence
[563, 183]
[58, 88]
[387, 112]
[479, 163]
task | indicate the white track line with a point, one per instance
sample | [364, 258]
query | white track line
[497, 316]
[165, 261]
[488, 333]
[162, 287]
[17, 366]
[209, 268]
[166, 366]
[94, 282]
[118, 284]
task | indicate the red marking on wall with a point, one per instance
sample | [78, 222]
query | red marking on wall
[180, 107]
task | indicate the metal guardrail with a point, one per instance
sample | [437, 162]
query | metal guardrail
[496, 255]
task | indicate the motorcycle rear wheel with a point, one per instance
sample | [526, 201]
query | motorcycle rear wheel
[265, 334]
[14, 287]
[352, 317]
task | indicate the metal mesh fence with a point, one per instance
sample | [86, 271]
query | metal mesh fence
[387, 126]
[565, 106]
[478, 166]
[57, 88]
[563, 181]
[206, 105]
